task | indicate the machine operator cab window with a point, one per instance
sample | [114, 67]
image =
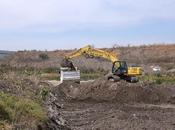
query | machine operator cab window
[119, 67]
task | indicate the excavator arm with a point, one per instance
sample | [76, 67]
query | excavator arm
[90, 51]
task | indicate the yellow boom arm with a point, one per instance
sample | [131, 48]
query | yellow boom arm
[90, 51]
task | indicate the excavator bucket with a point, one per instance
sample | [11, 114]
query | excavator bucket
[67, 63]
[69, 72]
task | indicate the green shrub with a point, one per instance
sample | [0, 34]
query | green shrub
[158, 81]
[51, 70]
[5, 68]
[43, 56]
[15, 109]
[44, 93]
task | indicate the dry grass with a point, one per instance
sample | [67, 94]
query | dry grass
[30, 61]
[162, 55]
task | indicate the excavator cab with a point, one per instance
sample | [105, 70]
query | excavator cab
[120, 68]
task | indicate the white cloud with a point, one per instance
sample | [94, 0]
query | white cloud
[60, 15]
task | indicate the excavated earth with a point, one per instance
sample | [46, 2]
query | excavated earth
[103, 105]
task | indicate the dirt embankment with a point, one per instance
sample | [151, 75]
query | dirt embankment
[121, 92]
[102, 105]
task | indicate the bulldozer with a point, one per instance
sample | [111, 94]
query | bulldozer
[120, 69]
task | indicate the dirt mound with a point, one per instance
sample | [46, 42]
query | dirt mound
[67, 91]
[102, 105]
[122, 92]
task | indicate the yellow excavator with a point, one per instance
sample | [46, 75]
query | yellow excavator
[120, 69]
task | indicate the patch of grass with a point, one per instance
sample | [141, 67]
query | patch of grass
[4, 68]
[51, 70]
[44, 93]
[50, 76]
[43, 56]
[159, 79]
[17, 110]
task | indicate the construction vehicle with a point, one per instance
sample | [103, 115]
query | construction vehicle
[120, 69]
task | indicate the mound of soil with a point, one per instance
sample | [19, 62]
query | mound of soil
[102, 105]
[122, 92]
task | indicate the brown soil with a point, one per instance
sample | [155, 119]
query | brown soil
[121, 92]
[103, 105]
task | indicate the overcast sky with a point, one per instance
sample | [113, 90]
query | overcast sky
[58, 24]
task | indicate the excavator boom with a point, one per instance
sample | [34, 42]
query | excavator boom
[90, 51]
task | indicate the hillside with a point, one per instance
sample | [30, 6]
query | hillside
[162, 55]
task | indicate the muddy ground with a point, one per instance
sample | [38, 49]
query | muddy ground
[102, 105]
